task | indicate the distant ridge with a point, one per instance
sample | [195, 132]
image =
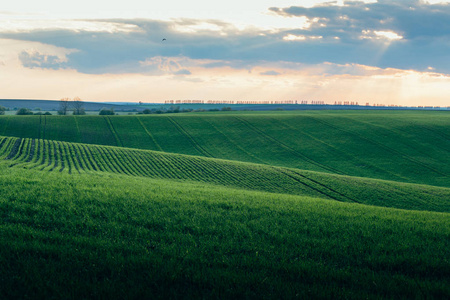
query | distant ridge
[53, 105]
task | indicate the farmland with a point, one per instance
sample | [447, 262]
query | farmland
[236, 204]
[400, 146]
[71, 158]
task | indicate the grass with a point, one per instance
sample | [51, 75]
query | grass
[114, 236]
[404, 146]
[345, 205]
[84, 158]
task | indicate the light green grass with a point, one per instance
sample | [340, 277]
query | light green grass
[262, 207]
[114, 236]
[81, 158]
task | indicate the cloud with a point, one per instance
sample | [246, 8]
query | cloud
[212, 79]
[183, 72]
[411, 18]
[32, 55]
[385, 34]
[160, 65]
[307, 82]
[35, 59]
[27, 25]
[270, 73]
[7, 13]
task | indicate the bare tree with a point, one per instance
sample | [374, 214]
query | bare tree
[63, 106]
[78, 106]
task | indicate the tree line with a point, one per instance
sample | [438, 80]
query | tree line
[76, 105]
[23, 111]
[176, 109]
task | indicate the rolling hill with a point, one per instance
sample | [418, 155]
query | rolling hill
[71, 158]
[266, 205]
[401, 146]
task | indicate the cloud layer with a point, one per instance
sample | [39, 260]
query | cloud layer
[396, 34]
[326, 42]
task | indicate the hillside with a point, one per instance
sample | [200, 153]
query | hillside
[401, 146]
[71, 158]
[328, 205]
[103, 235]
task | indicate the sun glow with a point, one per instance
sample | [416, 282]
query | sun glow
[390, 35]
[380, 35]
[293, 37]
[198, 27]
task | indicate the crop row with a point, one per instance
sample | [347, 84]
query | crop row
[57, 156]
[406, 148]
[76, 158]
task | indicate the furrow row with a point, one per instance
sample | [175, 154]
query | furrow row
[289, 149]
[70, 157]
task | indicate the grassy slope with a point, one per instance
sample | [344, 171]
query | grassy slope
[76, 158]
[102, 235]
[401, 146]
[91, 234]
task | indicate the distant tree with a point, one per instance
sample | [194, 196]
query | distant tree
[147, 111]
[48, 113]
[63, 106]
[173, 109]
[78, 106]
[24, 111]
[105, 111]
[2, 110]
[226, 108]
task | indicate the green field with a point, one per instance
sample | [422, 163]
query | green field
[400, 146]
[74, 158]
[226, 205]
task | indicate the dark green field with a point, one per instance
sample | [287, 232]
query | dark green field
[226, 205]
[400, 146]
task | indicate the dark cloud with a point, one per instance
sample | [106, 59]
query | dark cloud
[412, 19]
[425, 29]
[34, 59]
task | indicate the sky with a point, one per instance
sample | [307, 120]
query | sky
[377, 52]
